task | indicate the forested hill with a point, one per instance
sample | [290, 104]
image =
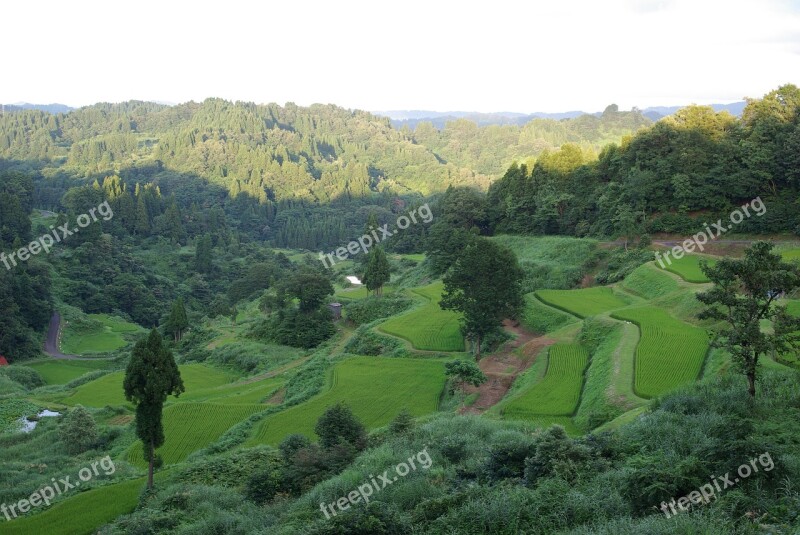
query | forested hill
[689, 168]
[318, 153]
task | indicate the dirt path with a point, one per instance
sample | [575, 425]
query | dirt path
[502, 367]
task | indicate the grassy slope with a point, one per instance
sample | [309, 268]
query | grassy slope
[428, 327]
[688, 267]
[584, 302]
[375, 388]
[107, 390]
[59, 372]
[98, 334]
[189, 427]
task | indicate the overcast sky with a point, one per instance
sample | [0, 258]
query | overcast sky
[494, 55]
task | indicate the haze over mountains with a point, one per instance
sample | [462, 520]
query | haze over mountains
[412, 118]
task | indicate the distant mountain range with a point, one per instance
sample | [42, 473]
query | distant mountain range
[412, 118]
[50, 108]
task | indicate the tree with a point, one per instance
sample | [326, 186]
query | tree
[745, 292]
[310, 287]
[151, 376]
[339, 425]
[377, 272]
[202, 255]
[79, 431]
[484, 285]
[177, 321]
[465, 371]
[626, 223]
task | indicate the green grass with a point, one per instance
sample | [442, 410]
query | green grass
[670, 352]
[428, 327]
[99, 334]
[791, 254]
[687, 267]
[11, 410]
[82, 513]
[59, 372]
[558, 393]
[542, 318]
[189, 427]
[650, 282]
[107, 390]
[584, 302]
[375, 388]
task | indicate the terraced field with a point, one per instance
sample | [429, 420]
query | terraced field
[558, 393]
[59, 372]
[375, 388]
[361, 292]
[237, 393]
[189, 427]
[428, 327]
[584, 302]
[670, 352]
[649, 281]
[102, 333]
[687, 267]
[107, 390]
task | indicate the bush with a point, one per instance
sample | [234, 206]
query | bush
[27, 377]
[338, 425]
[368, 342]
[78, 431]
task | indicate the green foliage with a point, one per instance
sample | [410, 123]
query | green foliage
[177, 322]
[11, 410]
[365, 341]
[403, 423]
[338, 425]
[376, 273]
[650, 283]
[745, 293]
[465, 371]
[670, 352]
[151, 376]
[622, 263]
[78, 431]
[26, 376]
[484, 286]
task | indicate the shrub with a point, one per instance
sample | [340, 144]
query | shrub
[27, 377]
[78, 431]
[338, 424]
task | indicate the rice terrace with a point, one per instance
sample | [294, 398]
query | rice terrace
[220, 314]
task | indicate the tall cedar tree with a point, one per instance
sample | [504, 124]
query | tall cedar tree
[152, 375]
[745, 292]
[177, 322]
[377, 272]
[484, 285]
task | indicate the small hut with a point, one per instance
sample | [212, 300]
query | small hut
[3, 361]
[336, 310]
